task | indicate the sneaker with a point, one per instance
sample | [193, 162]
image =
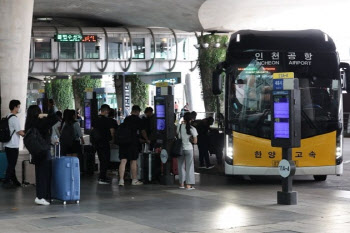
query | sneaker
[190, 188]
[121, 183]
[202, 166]
[210, 167]
[41, 201]
[104, 181]
[136, 182]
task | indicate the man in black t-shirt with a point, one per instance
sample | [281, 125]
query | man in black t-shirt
[106, 130]
[131, 151]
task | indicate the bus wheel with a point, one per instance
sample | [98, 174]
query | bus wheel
[320, 177]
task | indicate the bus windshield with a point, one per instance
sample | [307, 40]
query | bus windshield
[249, 107]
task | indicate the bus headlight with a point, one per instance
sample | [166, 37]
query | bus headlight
[229, 152]
[229, 147]
[338, 152]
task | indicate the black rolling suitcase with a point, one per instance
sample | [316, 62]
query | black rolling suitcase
[87, 160]
[151, 167]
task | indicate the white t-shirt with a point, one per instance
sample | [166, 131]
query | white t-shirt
[14, 128]
[186, 144]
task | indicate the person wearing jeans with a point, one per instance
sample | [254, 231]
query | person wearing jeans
[188, 134]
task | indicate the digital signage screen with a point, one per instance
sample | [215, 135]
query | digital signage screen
[160, 111]
[281, 110]
[160, 124]
[87, 116]
[281, 129]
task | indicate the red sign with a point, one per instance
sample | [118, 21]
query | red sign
[89, 38]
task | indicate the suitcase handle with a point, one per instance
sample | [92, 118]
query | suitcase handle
[57, 144]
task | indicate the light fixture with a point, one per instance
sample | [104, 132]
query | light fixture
[44, 19]
[217, 45]
[39, 39]
[205, 45]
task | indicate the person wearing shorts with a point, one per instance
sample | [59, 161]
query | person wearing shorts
[131, 151]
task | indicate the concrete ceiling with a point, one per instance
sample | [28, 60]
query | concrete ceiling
[196, 15]
[177, 14]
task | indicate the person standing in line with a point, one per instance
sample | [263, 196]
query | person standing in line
[105, 127]
[176, 106]
[52, 109]
[131, 151]
[12, 147]
[71, 135]
[55, 134]
[203, 127]
[188, 134]
[43, 123]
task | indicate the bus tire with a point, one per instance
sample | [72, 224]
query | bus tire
[320, 177]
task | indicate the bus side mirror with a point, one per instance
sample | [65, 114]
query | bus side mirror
[217, 81]
[345, 76]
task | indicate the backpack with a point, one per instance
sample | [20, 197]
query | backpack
[36, 145]
[123, 134]
[5, 134]
[67, 137]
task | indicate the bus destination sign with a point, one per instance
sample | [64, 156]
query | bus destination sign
[75, 38]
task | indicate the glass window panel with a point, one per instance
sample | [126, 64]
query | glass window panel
[138, 48]
[43, 48]
[91, 51]
[68, 50]
[161, 48]
[115, 46]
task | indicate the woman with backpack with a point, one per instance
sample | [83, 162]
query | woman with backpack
[43, 123]
[188, 134]
[71, 135]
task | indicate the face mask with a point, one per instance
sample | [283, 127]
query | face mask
[19, 110]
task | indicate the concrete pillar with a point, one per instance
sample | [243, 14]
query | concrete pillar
[15, 33]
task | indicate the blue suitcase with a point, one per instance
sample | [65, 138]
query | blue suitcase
[65, 185]
[3, 165]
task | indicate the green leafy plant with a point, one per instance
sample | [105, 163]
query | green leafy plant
[79, 86]
[62, 93]
[139, 91]
[208, 60]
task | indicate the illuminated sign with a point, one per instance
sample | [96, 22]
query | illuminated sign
[166, 80]
[75, 38]
[68, 37]
[283, 75]
[281, 114]
[89, 38]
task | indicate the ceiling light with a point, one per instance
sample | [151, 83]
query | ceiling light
[217, 45]
[44, 19]
[39, 40]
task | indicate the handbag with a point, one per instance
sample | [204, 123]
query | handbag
[36, 145]
[177, 146]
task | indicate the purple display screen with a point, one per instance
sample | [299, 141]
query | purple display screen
[281, 110]
[87, 117]
[281, 130]
[160, 124]
[160, 111]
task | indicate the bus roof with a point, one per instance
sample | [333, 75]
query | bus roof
[303, 40]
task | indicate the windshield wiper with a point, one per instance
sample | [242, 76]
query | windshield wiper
[309, 121]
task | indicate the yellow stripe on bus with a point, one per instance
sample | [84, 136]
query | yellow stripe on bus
[257, 152]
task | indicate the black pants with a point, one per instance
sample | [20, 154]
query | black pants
[43, 178]
[12, 157]
[104, 154]
[203, 143]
